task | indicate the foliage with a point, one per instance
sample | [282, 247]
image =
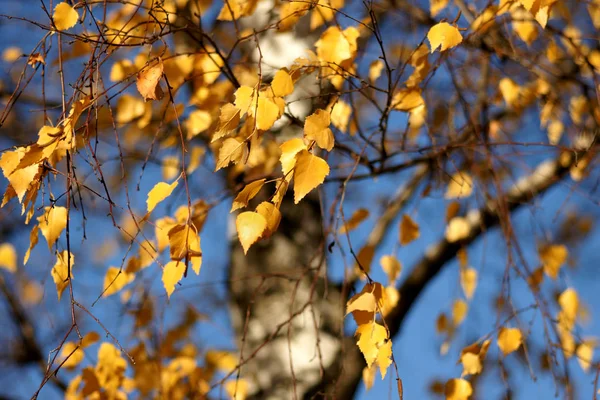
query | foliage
[185, 105]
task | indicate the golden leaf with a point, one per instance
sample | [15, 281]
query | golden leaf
[552, 258]
[184, 243]
[458, 229]
[407, 99]
[237, 389]
[289, 150]
[409, 230]
[197, 122]
[11, 54]
[272, 215]
[159, 192]
[60, 271]
[316, 127]
[247, 194]
[231, 151]
[357, 217]
[115, 280]
[458, 389]
[392, 267]
[147, 82]
[340, 115]
[460, 186]
[229, 120]
[52, 223]
[65, 16]
[8, 257]
[459, 311]
[443, 35]
[267, 113]
[368, 376]
[468, 281]
[282, 83]
[250, 227]
[585, 354]
[375, 70]
[371, 337]
[472, 358]
[509, 340]
[309, 172]
[172, 274]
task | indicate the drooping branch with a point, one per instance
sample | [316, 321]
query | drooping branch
[481, 220]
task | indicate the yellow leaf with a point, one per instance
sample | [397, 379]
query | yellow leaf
[8, 257]
[52, 223]
[110, 368]
[197, 122]
[435, 6]
[384, 358]
[129, 108]
[147, 82]
[569, 304]
[555, 131]
[65, 16]
[229, 119]
[371, 336]
[316, 127]
[159, 192]
[222, 360]
[250, 227]
[392, 267]
[309, 172]
[11, 54]
[357, 217]
[267, 113]
[237, 389]
[409, 230]
[115, 280]
[231, 151]
[33, 240]
[472, 358]
[121, 69]
[272, 215]
[245, 100]
[72, 354]
[340, 115]
[460, 185]
[184, 243]
[370, 299]
[407, 99]
[247, 194]
[282, 84]
[375, 70]
[443, 35]
[458, 389]
[172, 274]
[510, 91]
[289, 149]
[468, 281]
[368, 376]
[509, 340]
[458, 229]
[170, 167]
[365, 258]
[552, 258]
[336, 46]
[585, 354]
[459, 311]
[60, 271]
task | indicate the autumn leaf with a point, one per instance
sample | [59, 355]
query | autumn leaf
[355, 220]
[472, 358]
[458, 229]
[184, 243]
[115, 280]
[282, 83]
[60, 271]
[272, 215]
[409, 230]
[289, 150]
[392, 267]
[468, 281]
[250, 227]
[460, 186]
[231, 151]
[509, 340]
[52, 223]
[444, 36]
[309, 172]
[552, 258]
[8, 257]
[229, 119]
[158, 193]
[458, 389]
[172, 274]
[316, 127]
[371, 337]
[247, 194]
[459, 311]
[147, 82]
[65, 16]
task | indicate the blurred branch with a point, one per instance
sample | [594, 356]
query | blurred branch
[351, 362]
